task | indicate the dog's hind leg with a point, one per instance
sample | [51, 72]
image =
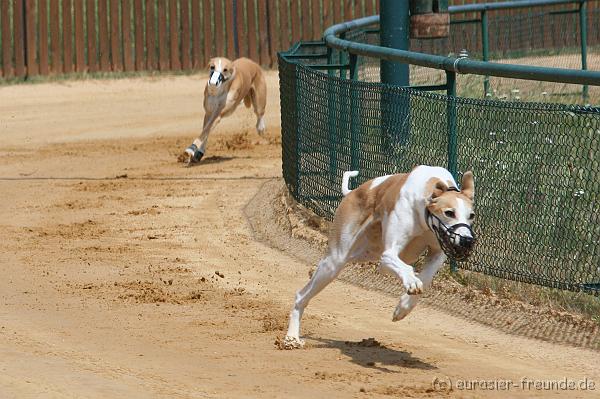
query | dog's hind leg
[328, 269]
[433, 263]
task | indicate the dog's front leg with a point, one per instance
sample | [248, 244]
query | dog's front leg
[433, 263]
[391, 263]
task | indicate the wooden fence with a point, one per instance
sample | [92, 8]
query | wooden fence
[41, 37]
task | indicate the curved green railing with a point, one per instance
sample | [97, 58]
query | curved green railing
[537, 165]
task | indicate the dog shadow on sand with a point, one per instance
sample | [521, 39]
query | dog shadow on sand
[206, 161]
[370, 353]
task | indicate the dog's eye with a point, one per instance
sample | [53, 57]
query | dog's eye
[449, 213]
[225, 70]
[471, 216]
[212, 67]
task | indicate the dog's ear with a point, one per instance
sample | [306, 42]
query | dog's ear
[467, 185]
[438, 189]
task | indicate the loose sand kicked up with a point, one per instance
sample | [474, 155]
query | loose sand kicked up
[125, 274]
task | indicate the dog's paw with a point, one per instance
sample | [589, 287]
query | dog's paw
[289, 343]
[404, 307]
[412, 284]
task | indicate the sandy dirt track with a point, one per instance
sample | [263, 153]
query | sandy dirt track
[126, 275]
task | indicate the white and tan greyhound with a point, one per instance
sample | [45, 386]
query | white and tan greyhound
[229, 83]
[395, 219]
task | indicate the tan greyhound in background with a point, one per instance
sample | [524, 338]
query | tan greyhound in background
[228, 84]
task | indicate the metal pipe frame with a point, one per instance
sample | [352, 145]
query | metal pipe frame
[461, 65]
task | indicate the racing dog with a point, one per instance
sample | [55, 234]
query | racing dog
[229, 83]
[395, 219]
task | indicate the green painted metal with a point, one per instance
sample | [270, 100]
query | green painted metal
[453, 64]
[394, 34]
[485, 45]
[451, 132]
[583, 40]
[536, 164]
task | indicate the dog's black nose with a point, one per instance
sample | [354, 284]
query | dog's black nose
[467, 242]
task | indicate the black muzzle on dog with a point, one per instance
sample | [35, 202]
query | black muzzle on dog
[456, 246]
[216, 78]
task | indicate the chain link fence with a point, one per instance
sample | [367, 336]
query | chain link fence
[537, 165]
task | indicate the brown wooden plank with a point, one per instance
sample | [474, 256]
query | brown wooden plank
[7, 64]
[348, 10]
[359, 11]
[296, 28]
[80, 65]
[138, 18]
[377, 7]
[55, 45]
[174, 35]
[196, 37]
[151, 63]
[241, 28]
[104, 47]
[207, 17]
[185, 35]
[284, 25]
[317, 27]
[229, 24]
[126, 35]
[163, 56]
[92, 59]
[67, 36]
[251, 18]
[151, 60]
[337, 12]
[370, 7]
[19, 38]
[116, 62]
[327, 15]
[43, 36]
[219, 29]
[263, 33]
[305, 12]
[31, 38]
[273, 34]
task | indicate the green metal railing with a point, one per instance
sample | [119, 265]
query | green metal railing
[537, 165]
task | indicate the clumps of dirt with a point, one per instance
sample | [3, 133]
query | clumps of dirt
[76, 230]
[365, 343]
[183, 157]
[343, 377]
[302, 222]
[288, 343]
[273, 322]
[146, 292]
[239, 141]
[153, 210]
[408, 391]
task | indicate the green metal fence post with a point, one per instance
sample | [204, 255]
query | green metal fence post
[394, 33]
[485, 49]
[583, 37]
[451, 127]
[394, 23]
[342, 58]
[331, 118]
[354, 107]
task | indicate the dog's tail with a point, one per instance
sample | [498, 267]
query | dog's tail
[346, 180]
